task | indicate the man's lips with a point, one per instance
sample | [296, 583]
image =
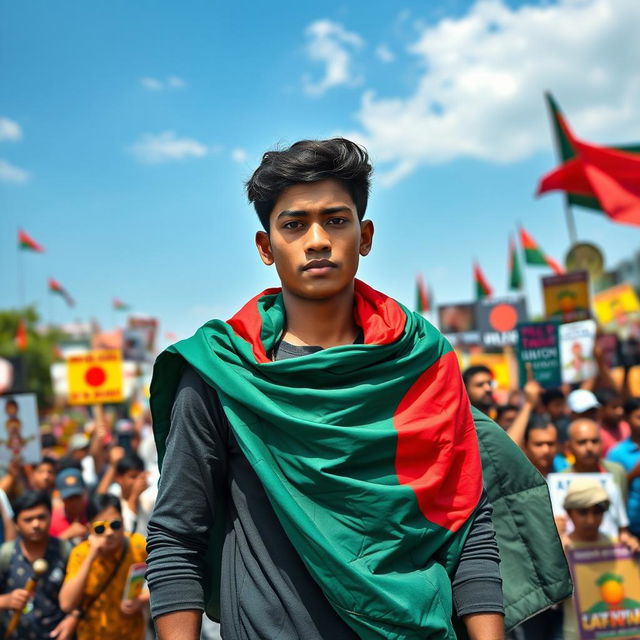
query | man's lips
[319, 266]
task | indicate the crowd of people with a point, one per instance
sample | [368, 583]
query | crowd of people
[593, 428]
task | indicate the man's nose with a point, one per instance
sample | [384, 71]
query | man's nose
[317, 238]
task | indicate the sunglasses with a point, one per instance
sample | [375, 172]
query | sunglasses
[100, 526]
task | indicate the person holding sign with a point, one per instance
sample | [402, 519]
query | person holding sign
[98, 572]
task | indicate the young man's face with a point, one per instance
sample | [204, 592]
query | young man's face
[611, 413]
[315, 240]
[128, 480]
[33, 524]
[44, 477]
[541, 448]
[480, 390]
[587, 521]
[557, 408]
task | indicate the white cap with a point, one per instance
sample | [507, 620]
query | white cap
[582, 400]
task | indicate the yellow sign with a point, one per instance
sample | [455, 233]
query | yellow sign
[497, 362]
[612, 306]
[95, 377]
[566, 297]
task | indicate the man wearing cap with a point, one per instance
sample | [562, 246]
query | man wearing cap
[79, 450]
[583, 403]
[69, 520]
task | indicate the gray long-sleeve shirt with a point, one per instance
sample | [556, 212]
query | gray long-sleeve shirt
[266, 591]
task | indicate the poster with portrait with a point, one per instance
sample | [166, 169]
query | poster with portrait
[19, 430]
[458, 323]
[577, 340]
[566, 297]
[607, 592]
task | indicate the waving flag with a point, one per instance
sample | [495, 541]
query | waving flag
[57, 288]
[118, 305]
[423, 302]
[483, 288]
[533, 254]
[27, 243]
[606, 179]
[515, 272]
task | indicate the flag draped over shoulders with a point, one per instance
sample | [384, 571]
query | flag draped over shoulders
[367, 452]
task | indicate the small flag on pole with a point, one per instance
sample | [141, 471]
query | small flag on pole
[118, 305]
[57, 288]
[515, 272]
[21, 335]
[533, 254]
[483, 288]
[27, 243]
[423, 303]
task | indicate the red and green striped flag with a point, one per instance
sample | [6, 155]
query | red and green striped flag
[533, 254]
[515, 272]
[423, 301]
[334, 438]
[27, 243]
[604, 179]
[483, 288]
[57, 288]
[118, 305]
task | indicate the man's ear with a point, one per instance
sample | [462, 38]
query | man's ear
[264, 247]
[366, 236]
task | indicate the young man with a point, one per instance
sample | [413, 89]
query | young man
[69, 519]
[42, 616]
[613, 428]
[43, 476]
[541, 444]
[319, 446]
[479, 383]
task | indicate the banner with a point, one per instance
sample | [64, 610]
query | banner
[497, 319]
[617, 307]
[539, 344]
[607, 592]
[577, 340]
[566, 297]
[19, 429]
[95, 377]
[458, 323]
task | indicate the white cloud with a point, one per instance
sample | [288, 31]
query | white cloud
[10, 130]
[384, 53]
[239, 155]
[330, 44]
[12, 174]
[482, 79]
[155, 84]
[167, 147]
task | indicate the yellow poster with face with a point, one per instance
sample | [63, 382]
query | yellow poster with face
[614, 306]
[95, 377]
[566, 297]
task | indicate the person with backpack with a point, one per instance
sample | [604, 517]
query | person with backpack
[41, 615]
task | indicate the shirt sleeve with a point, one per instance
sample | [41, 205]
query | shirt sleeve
[191, 482]
[76, 558]
[477, 584]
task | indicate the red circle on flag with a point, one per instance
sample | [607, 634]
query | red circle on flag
[95, 376]
[503, 317]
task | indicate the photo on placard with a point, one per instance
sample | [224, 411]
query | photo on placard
[566, 297]
[19, 429]
[577, 340]
[456, 318]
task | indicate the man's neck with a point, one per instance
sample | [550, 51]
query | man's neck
[320, 323]
[33, 550]
[594, 468]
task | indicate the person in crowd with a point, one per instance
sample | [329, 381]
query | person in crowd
[586, 446]
[627, 454]
[479, 383]
[7, 526]
[79, 450]
[41, 614]
[129, 482]
[43, 476]
[97, 574]
[506, 414]
[541, 444]
[69, 519]
[554, 404]
[613, 428]
[583, 403]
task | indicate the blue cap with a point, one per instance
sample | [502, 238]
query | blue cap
[69, 483]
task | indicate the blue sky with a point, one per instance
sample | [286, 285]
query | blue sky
[127, 130]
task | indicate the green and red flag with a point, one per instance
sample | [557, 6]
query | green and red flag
[423, 300]
[58, 289]
[533, 254]
[27, 243]
[515, 272]
[335, 438]
[118, 305]
[483, 288]
[605, 179]
[21, 335]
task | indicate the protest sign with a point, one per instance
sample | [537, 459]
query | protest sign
[458, 323]
[95, 377]
[616, 307]
[607, 592]
[497, 319]
[566, 297]
[538, 344]
[577, 340]
[149, 327]
[19, 430]
[134, 345]
[135, 581]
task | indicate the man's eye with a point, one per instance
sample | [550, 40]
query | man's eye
[337, 221]
[292, 224]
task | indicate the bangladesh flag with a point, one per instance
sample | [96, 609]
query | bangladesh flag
[423, 302]
[367, 452]
[605, 179]
[27, 243]
[483, 288]
[57, 288]
[515, 272]
[118, 305]
[21, 335]
[533, 254]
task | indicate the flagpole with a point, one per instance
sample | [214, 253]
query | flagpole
[571, 222]
[21, 291]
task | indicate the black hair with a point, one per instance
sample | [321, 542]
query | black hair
[101, 501]
[29, 500]
[468, 373]
[538, 421]
[503, 408]
[130, 462]
[310, 161]
[631, 405]
[48, 440]
[48, 460]
[549, 395]
[606, 396]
